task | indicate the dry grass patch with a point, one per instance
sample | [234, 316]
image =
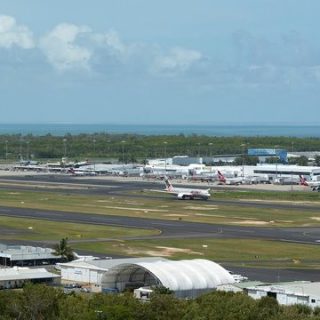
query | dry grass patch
[162, 251]
[252, 222]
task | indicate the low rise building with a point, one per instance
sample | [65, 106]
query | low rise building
[11, 278]
[14, 255]
[289, 293]
[92, 271]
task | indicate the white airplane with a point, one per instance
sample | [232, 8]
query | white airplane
[79, 172]
[223, 180]
[186, 193]
[314, 185]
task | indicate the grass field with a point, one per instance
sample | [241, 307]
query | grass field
[241, 252]
[165, 207]
[111, 240]
[39, 230]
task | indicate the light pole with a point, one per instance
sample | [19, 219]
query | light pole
[291, 170]
[64, 147]
[94, 152]
[6, 149]
[20, 149]
[28, 151]
[275, 151]
[123, 142]
[243, 145]
[165, 156]
[198, 149]
[210, 151]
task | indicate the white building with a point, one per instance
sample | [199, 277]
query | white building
[92, 271]
[11, 278]
[186, 278]
[14, 255]
[287, 171]
[298, 292]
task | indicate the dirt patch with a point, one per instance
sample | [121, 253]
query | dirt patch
[176, 215]
[162, 251]
[253, 222]
[200, 208]
[209, 215]
[315, 218]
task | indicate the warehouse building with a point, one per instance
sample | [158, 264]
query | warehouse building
[12, 255]
[287, 170]
[11, 278]
[289, 293]
[185, 278]
[26, 256]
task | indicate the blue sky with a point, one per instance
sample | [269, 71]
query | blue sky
[142, 61]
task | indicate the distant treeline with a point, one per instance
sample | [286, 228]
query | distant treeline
[130, 147]
[39, 302]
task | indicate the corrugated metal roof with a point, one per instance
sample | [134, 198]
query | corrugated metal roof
[304, 288]
[26, 253]
[15, 273]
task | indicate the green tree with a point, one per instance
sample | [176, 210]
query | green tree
[302, 161]
[64, 250]
[317, 160]
[36, 302]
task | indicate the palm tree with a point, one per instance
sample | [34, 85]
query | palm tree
[64, 250]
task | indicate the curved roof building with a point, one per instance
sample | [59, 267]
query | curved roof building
[187, 278]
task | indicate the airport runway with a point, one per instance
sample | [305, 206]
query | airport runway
[171, 228]
[121, 188]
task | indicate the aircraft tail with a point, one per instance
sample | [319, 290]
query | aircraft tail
[71, 170]
[169, 186]
[303, 181]
[221, 177]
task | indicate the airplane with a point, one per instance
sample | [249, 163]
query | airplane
[223, 180]
[314, 185]
[79, 172]
[186, 193]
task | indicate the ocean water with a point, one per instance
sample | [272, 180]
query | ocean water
[209, 130]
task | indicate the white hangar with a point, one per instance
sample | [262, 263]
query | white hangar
[186, 278]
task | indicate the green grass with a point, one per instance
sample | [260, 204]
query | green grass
[243, 252]
[161, 208]
[39, 230]
[295, 196]
[93, 237]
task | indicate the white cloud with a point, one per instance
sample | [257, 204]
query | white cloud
[12, 34]
[61, 48]
[111, 41]
[177, 61]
